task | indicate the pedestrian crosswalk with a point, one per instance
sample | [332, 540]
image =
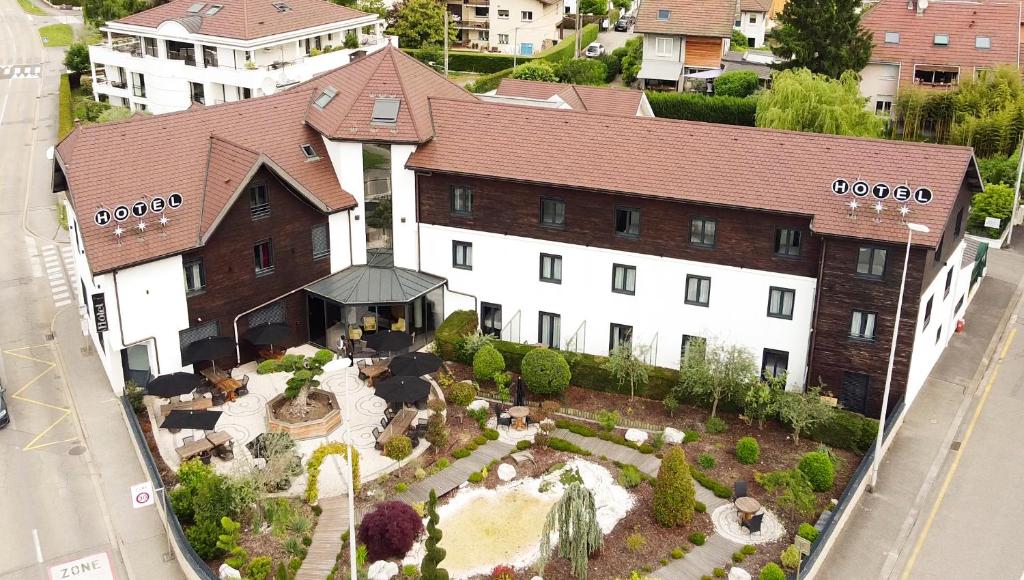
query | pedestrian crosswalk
[56, 261]
[20, 71]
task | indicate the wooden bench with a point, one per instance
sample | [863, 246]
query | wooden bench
[397, 426]
[197, 404]
[194, 449]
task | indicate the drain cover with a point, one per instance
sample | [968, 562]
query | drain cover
[48, 336]
[955, 446]
[76, 450]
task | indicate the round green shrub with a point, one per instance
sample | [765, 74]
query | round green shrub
[401, 487]
[460, 453]
[697, 538]
[718, 572]
[462, 393]
[471, 446]
[705, 461]
[491, 434]
[715, 425]
[307, 540]
[807, 532]
[790, 557]
[480, 440]
[523, 445]
[678, 553]
[203, 538]
[476, 477]
[819, 470]
[699, 507]
[317, 510]
[674, 494]
[771, 571]
[398, 448]
[691, 437]
[545, 371]
[748, 550]
[748, 452]
[738, 557]
[486, 362]
[645, 448]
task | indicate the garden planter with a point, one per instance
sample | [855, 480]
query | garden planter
[324, 418]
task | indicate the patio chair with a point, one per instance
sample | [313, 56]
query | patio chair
[506, 420]
[753, 525]
[384, 422]
[376, 439]
[370, 323]
[399, 326]
[421, 405]
[422, 421]
[415, 439]
[244, 389]
[739, 489]
[355, 333]
[390, 412]
[187, 439]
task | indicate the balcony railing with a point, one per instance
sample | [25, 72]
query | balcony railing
[119, 84]
[188, 55]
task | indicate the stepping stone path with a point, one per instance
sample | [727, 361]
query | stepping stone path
[456, 474]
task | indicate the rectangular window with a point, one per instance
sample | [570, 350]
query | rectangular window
[928, 311]
[551, 268]
[461, 200]
[941, 40]
[623, 279]
[502, 38]
[620, 335]
[663, 46]
[958, 227]
[949, 281]
[892, 37]
[490, 319]
[862, 325]
[549, 331]
[871, 262]
[698, 290]
[780, 302]
[787, 242]
[526, 16]
[503, 14]
[938, 335]
[883, 107]
[753, 18]
[627, 222]
[552, 212]
[484, 35]
[259, 201]
[309, 152]
[139, 85]
[702, 231]
[983, 42]
[664, 14]
[959, 304]
[150, 47]
[774, 362]
[462, 255]
[692, 346]
[263, 257]
[195, 276]
[321, 242]
[481, 11]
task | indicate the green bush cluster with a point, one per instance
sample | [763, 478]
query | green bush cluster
[462, 393]
[706, 461]
[700, 507]
[490, 435]
[488, 83]
[748, 452]
[480, 440]
[567, 446]
[487, 362]
[452, 331]
[545, 371]
[715, 425]
[576, 427]
[565, 49]
[630, 476]
[739, 83]
[476, 477]
[461, 453]
[807, 532]
[818, 468]
[697, 538]
[678, 553]
[718, 488]
[398, 447]
[699, 107]
[523, 445]
[66, 116]
[469, 61]
[790, 557]
[771, 571]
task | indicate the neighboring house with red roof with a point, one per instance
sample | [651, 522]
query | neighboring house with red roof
[936, 44]
[174, 55]
[381, 194]
[683, 37]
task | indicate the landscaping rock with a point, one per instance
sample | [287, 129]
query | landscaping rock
[673, 436]
[478, 404]
[506, 472]
[636, 435]
[227, 572]
[382, 570]
[738, 574]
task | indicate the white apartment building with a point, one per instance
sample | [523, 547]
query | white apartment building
[753, 21]
[524, 27]
[185, 52]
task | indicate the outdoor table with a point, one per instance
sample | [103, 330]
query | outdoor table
[372, 372]
[193, 449]
[221, 441]
[214, 375]
[398, 425]
[519, 413]
[747, 507]
[197, 404]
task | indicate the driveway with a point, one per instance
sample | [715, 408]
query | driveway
[612, 40]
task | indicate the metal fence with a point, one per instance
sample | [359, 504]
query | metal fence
[194, 566]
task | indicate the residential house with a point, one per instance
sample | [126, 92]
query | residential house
[682, 37]
[605, 100]
[936, 44]
[753, 21]
[381, 193]
[525, 27]
[188, 51]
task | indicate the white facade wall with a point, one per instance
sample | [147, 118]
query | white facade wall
[752, 25]
[931, 340]
[879, 82]
[347, 160]
[544, 25]
[506, 272]
[338, 230]
[403, 208]
[673, 44]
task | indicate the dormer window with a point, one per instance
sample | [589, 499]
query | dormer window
[214, 9]
[309, 152]
[664, 14]
[941, 40]
[195, 8]
[325, 97]
[385, 111]
[281, 7]
[983, 42]
[892, 37]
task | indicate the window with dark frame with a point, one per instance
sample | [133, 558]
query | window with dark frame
[620, 335]
[321, 242]
[623, 279]
[551, 268]
[780, 302]
[259, 201]
[774, 362]
[702, 231]
[698, 290]
[195, 276]
[871, 262]
[787, 242]
[490, 319]
[627, 222]
[309, 152]
[461, 200]
[552, 212]
[462, 255]
[958, 226]
[938, 335]
[862, 325]
[263, 257]
[549, 331]
[928, 311]
[949, 282]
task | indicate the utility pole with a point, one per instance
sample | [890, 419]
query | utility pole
[445, 41]
[1016, 195]
[579, 30]
[515, 46]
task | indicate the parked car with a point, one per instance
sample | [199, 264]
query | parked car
[594, 49]
[622, 25]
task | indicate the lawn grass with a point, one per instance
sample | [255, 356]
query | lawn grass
[65, 108]
[57, 34]
[31, 8]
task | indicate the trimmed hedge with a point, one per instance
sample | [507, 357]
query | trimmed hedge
[489, 82]
[716, 487]
[565, 49]
[475, 61]
[698, 107]
[452, 331]
[66, 115]
[847, 430]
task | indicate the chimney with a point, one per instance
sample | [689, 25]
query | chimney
[911, 4]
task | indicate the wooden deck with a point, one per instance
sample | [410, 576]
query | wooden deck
[457, 473]
[323, 553]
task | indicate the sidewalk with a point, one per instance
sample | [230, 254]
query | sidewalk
[139, 533]
[880, 525]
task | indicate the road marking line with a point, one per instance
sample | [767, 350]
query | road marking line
[62, 303]
[39, 549]
[32, 445]
[61, 295]
[956, 459]
[3, 109]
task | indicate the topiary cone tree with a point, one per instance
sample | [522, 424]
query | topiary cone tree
[305, 378]
[674, 495]
[435, 554]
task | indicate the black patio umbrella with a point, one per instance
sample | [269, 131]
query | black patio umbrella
[202, 420]
[269, 334]
[402, 389]
[389, 340]
[414, 364]
[209, 348]
[262, 444]
[173, 384]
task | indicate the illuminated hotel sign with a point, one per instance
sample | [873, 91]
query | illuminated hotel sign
[900, 193]
[139, 209]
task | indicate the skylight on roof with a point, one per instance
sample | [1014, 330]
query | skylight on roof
[195, 8]
[325, 97]
[215, 8]
[664, 14]
[385, 111]
[282, 7]
[309, 152]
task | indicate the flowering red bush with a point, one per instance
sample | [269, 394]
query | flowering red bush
[503, 572]
[390, 530]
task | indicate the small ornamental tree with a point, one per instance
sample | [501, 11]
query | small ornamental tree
[434, 554]
[802, 411]
[390, 530]
[419, 23]
[674, 494]
[759, 401]
[545, 371]
[76, 59]
[486, 362]
[716, 372]
[574, 518]
[740, 83]
[437, 432]
[304, 378]
[628, 367]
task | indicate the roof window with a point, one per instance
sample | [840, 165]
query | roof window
[325, 97]
[215, 8]
[195, 8]
[385, 111]
[664, 14]
[941, 40]
[282, 7]
[892, 37]
[984, 42]
[309, 152]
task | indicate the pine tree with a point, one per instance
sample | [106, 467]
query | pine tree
[824, 36]
[435, 554]
[674, 495]
[574, 517]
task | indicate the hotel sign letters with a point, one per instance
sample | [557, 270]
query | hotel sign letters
[157, 204]
[99, 312]
[900, 193]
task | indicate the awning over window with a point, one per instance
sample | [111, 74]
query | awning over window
[706, 74]
[373, 285]
[661, 70]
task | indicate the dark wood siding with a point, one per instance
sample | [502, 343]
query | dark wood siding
[744, 239]
[232, 286]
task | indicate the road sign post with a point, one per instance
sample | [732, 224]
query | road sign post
[142, 495]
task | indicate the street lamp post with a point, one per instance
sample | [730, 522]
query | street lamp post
[877, 459]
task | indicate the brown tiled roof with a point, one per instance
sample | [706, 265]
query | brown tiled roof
[388, 72]
[203, 154]
[697, 162]
[755, 5]
[962, 21]
[245, 19]
[690, 17]
[611, 101]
